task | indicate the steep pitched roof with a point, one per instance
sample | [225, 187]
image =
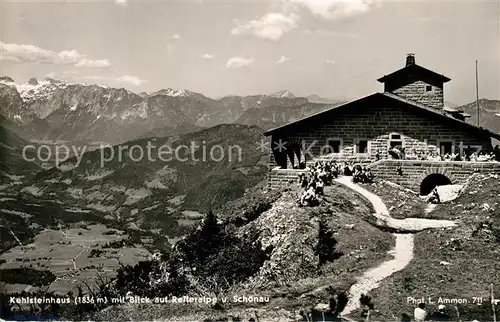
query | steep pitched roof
[390, 96]
[414, 68]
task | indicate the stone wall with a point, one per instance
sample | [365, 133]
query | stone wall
[417, 92]
[414, 172]
[375, 122]
[280, 178]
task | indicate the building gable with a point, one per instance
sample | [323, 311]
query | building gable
[416, 83]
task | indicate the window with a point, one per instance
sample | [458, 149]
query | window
[445, 147]
[428, 88]
[334, 145]
[361, 146]
[395, 140]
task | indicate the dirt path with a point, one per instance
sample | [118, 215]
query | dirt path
[430, 208]
[402, 251]
[403, 254]
[382, 214]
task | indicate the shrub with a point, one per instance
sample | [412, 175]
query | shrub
[218, 255]
[152, 279]
[95, 253]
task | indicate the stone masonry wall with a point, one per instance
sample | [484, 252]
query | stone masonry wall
[412, 175]
[414, 172]
[416, 92]
[280, 178]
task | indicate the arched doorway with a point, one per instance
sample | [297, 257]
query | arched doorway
[432, 181]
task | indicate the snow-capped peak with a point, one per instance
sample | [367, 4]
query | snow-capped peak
[173, 92]
[34, 89]
[6, 80]
[283, 94]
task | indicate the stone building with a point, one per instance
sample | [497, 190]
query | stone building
[410, 113]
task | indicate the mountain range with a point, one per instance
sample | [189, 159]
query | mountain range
[60, 111]
[489, 114]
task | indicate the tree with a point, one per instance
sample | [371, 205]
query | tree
[325, 247]
[203, 243]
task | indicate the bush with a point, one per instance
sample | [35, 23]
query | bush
[152, 279]
[219, 255]
[236, 263]
[95, 253]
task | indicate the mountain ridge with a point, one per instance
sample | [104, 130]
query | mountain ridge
[57, 110]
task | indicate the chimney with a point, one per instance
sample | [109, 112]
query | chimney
[410, 59]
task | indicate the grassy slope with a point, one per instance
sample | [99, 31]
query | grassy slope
[473, 258]
[11, 146]
[402, 203]
[363, 246]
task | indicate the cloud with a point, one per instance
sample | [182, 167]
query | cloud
[238, 62]
[33, 54]
[207, 56]
[127, 80]
[131, 80]
[68, 75]
[330, 61]
[283, 59]
[51, 75]
[121, 2]
[101, 63]
[176, 36]
[272, 26]
[332, 9]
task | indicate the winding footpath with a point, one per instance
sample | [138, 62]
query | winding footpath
[402, 252]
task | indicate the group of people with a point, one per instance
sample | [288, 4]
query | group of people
[473, 157]
[433, 197]
[362, 174]
[315, 178]
[468, 154]
[322, 173]
[420, 314]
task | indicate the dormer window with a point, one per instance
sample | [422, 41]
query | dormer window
[428, 88]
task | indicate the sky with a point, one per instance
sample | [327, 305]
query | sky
[332, 48]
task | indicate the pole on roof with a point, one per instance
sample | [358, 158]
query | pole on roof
[477, 96]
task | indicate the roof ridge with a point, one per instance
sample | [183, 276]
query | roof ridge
[443, 78]
[392, 96]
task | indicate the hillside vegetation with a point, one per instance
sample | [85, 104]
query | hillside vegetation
[305, 255]
[11, 157]
[262, 244]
